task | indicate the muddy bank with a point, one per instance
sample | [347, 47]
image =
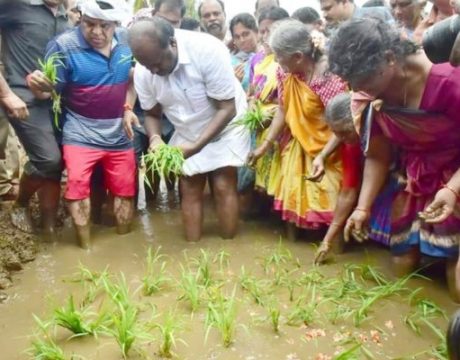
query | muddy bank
[16, 248]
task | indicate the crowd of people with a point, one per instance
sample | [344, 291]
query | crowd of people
[359, 133]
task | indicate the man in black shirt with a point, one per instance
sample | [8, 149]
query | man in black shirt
[26, 27]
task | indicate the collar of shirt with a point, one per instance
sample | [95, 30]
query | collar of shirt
[61, 9]
[85, 45]
[182, 54]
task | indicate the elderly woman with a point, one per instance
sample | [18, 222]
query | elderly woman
[304, 89]
[404, 100]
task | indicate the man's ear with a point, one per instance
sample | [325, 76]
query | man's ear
[173, 42]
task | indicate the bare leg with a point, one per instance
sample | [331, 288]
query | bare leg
[453, 278]
[124, 211]
[49, 203]
[191, 190]
[223, 184]
[291, 231]
[20, 215]
[80, 211]
[407, 263]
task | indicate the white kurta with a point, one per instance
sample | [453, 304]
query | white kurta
[203, 72]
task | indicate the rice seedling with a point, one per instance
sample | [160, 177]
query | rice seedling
[280, 256]
[203, 264]
[274, 314]
[304, 310]
[165, 160]
[223, 259]
[254, 118]
[168, 332]
[118, 292]
[123, 329]
[256, 288]
[378, 293]
[72, 319]
[190, 289]
[49, 68]
[156, 278]
[92, 282]
[349, 354]
[221, 314]
[46, 349]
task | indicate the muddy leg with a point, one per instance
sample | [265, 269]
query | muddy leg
[20, 215]
[406, 263]
[80, 211]
[453, 278]
[49, 203]
[124, 211]
[292, 232]
[191, 189]
[223, 183]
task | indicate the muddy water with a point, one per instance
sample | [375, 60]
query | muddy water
[42, 286]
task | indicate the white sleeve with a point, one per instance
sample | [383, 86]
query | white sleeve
[143, 83]
[217, 71]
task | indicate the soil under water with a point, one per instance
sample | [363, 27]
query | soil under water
[43, 285]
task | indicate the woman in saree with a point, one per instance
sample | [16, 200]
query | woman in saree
[257, 179]
[304, 89]
[401, 99]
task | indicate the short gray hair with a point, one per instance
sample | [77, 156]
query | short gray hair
[291, 36]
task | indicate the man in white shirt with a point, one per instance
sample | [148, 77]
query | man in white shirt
[189, 77]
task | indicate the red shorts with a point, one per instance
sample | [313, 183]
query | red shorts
[352, 160]
[119, 169]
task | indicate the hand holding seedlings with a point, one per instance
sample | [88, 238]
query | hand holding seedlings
[39, 83]
[188, 149]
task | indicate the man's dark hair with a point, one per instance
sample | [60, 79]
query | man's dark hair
[306, 15]
[245, 19]
[221, 3]
[374, 3]
[155, 28]
[189, 23]
[360, 46]
[274, 13]
[171, 4]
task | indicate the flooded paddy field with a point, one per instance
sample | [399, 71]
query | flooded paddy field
[250, 298]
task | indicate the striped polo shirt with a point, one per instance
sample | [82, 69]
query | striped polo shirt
[93, 89]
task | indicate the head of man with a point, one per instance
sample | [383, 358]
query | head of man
[212, 17]
[309, 17]
[407, 12]
[244, 32]
[455, 4]
[170, 10]
[262, 5]
[99, 21]
[153, 45]
[336, 11]
[266, 20]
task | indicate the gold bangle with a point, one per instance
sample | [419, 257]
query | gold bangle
[362, 210]
[271, 142]
[446, 186]
[153, 137]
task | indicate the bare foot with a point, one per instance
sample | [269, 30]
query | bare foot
[20, 218]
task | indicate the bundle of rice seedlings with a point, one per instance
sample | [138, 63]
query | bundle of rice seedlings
[255, 118]
[166, 161]
[49, 69]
